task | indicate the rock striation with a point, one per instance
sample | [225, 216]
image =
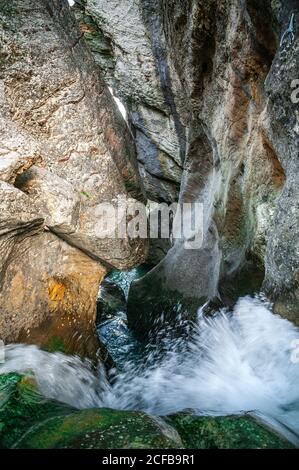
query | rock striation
[210, 88]
[64, 150]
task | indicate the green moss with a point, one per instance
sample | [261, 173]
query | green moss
[99, 429]
[22, 406]
[84, 193]
[225, 432]
[29, 420]
[55, 344]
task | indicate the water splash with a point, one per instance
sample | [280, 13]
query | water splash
[235, 362]
[64, 378]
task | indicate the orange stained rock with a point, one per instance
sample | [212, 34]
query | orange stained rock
[56, 290]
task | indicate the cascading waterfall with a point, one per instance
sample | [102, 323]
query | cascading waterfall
[240, 361]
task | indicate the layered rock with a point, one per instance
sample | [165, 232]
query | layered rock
[221, 84]
[65, 149]
[119, 35]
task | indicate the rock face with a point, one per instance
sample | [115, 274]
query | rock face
[208, 88]
[64, 150]
[119, 35]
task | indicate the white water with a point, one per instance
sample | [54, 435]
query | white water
[236, 362]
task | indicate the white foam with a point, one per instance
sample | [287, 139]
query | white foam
[236, 363]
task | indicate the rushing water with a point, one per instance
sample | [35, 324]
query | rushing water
[239, 361]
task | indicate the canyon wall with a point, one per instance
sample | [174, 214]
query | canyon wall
[211, 93]
[208, 89]
[64, 150]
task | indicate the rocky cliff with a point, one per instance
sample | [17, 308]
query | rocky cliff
[211, 93]
[210, 88]
[64, 150]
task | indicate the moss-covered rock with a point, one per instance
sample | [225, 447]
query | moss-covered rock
[102, 429]
[22, 407]
[225, 432]
[29, 420]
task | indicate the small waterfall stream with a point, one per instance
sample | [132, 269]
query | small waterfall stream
[239, 361]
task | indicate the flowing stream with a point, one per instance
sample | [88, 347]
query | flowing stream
[239, 361]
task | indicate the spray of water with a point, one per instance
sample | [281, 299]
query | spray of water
[236, 362]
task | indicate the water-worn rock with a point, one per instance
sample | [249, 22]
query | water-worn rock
[225, 432]
[45, 300]
[21, 407]
[224, 121]
[18, 150]
[282, 252]
[28, 420]
[58, 115]
[111, 300]
[53, 197]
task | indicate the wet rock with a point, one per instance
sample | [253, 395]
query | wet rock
[187, 278]
[60, 297]
[66, 149]
[21, 407]
[228, 120]
[124, 279]
[282, 260]
[226, 432]
[212, 307]
[29, 420]
[102, 429]
[111, 301]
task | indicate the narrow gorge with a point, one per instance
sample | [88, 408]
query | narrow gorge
[140, 341]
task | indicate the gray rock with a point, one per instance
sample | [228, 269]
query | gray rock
[125, 54]
[282, 254]
[230, 83]
[54, 197]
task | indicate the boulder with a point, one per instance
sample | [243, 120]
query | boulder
[226, 432]
[28, 420]
[53, 197]
[111, 301]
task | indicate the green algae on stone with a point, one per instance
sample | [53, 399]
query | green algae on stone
[55, 344]
[22, 406]
[29, 420]
[101, 429]
[225, 432]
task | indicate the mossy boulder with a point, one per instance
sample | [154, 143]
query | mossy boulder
[225, 432]
[102, 429]
[22, 407]
[29, 420]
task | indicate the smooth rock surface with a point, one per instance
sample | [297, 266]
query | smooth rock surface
[228, 130]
